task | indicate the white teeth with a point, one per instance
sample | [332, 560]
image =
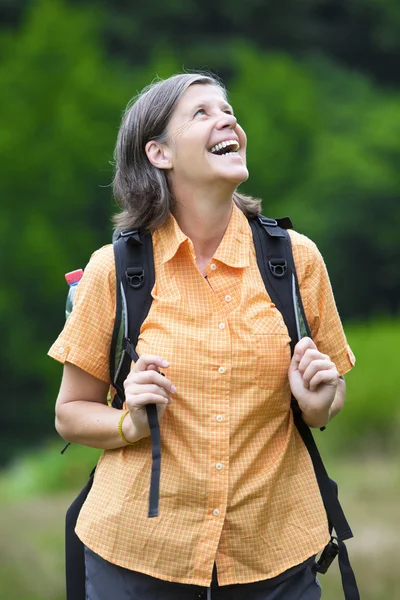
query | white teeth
[224, 144]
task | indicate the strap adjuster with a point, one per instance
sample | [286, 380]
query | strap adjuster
[135, 277]
[327, 557]
[278, 267]
[117, 402]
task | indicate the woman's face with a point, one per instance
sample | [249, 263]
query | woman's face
[205, 142]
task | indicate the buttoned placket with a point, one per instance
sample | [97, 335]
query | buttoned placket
[221, 452]
[218, 479]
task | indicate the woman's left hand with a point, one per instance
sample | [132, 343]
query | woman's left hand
[313, 379]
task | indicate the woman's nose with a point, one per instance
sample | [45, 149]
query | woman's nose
[226, 120]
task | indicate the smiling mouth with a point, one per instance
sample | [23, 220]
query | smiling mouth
[226, 148]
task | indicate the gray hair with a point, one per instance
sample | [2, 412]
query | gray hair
[142, 190]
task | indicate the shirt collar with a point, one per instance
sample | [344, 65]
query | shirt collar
[233, 249]
[171, 238]
[235, 245]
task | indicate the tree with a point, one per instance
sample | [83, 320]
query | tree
[324, 147]
[59, 120]
[362, 34]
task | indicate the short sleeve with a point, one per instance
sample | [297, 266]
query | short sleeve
[86, 337]
[319, 304]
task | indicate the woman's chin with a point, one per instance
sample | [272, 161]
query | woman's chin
[237, 175]
[231, 167]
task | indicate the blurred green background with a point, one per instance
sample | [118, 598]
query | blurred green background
[316, 86]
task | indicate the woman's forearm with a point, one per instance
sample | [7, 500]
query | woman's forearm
[94, 424]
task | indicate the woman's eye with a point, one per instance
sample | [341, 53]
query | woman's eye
[200, 111]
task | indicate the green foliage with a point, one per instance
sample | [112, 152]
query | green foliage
[275, 99]
[46, 471]
[323, 146]
[57, 123]
[58, 126]
[387, 23]
[370, 420]
[362, 33]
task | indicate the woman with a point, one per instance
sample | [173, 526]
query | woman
[240, 511]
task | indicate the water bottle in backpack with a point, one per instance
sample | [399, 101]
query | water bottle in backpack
[72, 278]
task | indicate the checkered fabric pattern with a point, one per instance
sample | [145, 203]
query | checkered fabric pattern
[237, 484]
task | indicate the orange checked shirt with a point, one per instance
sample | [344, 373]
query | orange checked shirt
[237, 484]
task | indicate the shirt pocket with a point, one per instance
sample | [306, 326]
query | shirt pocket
[271, 345]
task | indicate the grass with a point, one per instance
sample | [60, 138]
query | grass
[370, 495]
[32, 546]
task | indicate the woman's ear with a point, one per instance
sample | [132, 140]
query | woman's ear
[159, 155]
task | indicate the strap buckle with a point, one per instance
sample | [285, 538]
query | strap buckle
[278, 267]
[327, 557]
[135, 277]
[131, 236]
[266, 221]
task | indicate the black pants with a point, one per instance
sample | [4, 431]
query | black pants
[106, 581]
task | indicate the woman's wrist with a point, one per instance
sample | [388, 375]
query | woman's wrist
[316, 417]
[319, 417]
[130, 431]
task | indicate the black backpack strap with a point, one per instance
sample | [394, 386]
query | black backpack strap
[276, 264]
[134, 264]
[273, 250]
[135, 278]
[74, 548]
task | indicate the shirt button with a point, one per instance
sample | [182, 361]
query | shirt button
[221, 370]
[221, 325]
[282, 324]
[216, 512]
[228, 298]
[219, 418]
[219, 466]
[213, 267]
[61, 350]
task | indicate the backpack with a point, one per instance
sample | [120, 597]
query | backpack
[135, 275]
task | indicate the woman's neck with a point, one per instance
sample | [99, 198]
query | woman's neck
[204, 221]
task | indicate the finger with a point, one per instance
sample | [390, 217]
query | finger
[326, 377]
[314, 367]
[149, 377]
[301, 347]
[309, 356]
[139, 401]
[136, 389]
[148, 360]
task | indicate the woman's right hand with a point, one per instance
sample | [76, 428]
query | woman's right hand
[146, 385]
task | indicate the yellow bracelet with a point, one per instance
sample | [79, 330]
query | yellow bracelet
[120, 432]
